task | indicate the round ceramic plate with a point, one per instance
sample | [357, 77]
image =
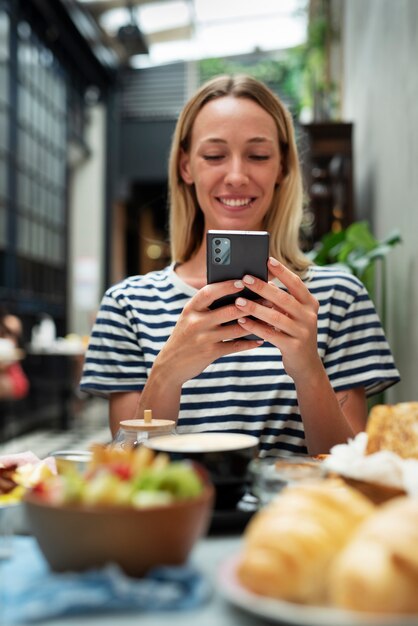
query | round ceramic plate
[282, 612]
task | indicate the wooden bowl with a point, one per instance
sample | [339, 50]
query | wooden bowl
[377, 493]
[78, 537]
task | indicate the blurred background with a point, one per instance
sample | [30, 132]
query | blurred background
[90, 91]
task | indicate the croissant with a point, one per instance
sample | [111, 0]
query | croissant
[378, 570]
[289, 545]
[394, 427]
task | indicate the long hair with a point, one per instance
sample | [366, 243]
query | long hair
[284, 216]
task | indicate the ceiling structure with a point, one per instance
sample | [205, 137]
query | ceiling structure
[144, 33]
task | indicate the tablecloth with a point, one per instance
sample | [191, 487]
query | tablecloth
[30, 592]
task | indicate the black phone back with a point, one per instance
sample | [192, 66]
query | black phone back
[232, 254]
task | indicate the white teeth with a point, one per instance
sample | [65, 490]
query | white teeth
[235, 202]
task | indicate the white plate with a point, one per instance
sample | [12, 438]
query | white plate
[296, 614]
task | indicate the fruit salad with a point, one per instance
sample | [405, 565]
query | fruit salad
[137, 478]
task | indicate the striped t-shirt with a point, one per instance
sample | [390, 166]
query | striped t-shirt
[246, 392]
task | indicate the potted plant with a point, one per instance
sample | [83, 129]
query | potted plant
[356, 250]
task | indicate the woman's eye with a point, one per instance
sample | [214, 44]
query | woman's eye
[259, 157]
[212, 157]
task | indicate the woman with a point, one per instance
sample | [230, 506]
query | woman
[14, 384]
[156, 343]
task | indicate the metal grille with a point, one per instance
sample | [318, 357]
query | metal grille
[157, 92]
[4, 125]
[41, 167]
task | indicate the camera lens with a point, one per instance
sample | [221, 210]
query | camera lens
[217, 259]
[217, 242]
[218, 250]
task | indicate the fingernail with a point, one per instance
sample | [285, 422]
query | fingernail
[239, 284]
[274, 261]
[241, 301]
[249, 280]
[241, 320]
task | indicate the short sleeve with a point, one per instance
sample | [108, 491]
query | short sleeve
[114, 360]
[357, 352]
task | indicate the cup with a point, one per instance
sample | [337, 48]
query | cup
[225, 456]
[271, 475]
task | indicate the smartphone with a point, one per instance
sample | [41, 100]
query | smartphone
[233, 253]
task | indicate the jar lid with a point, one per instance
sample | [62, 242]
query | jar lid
[140, 424]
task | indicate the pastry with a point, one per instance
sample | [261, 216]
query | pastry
[289, 544]
[7, 479]
[394, 427]
[378, 570]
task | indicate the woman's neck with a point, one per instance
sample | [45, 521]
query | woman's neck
[193, 271]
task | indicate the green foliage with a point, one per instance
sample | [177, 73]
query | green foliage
[300, 75]
[284, 75]
[356, 250]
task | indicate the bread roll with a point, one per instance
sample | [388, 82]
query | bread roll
[378, 570]
[289, 545]
[394, 427]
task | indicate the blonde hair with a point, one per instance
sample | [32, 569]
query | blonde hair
[284, 217]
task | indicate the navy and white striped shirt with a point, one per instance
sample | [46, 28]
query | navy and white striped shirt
[246, 392]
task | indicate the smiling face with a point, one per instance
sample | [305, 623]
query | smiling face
[234, 162]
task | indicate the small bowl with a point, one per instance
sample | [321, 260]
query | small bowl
[67, 459]
[271, 475]
[225, 456]
[77, 537]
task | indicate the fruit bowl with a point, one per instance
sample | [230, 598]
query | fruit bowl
[132, 508]
[78, 537]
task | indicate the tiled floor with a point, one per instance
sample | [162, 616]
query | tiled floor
[91, 426]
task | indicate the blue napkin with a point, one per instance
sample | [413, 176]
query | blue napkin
[31, 592]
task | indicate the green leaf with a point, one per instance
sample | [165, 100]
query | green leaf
[356, 250]
[359, 235]
[379, 252]
[360, 264]
[393, 238]
[344, 251]
[326, 251]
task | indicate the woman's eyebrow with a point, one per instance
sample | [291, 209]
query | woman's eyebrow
[213, 140]
[251, 140]
[260, 140]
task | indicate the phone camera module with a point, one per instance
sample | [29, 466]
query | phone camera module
[221, 251]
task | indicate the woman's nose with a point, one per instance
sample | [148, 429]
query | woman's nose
[236, 174]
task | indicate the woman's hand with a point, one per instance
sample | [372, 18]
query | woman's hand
[199, 337]
[287, 320]
[197, 340]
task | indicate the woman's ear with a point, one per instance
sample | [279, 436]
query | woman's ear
[184, 167]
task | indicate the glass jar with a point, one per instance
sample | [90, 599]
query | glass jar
[132, 433]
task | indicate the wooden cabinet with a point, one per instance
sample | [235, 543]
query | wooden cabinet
[327, 163]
